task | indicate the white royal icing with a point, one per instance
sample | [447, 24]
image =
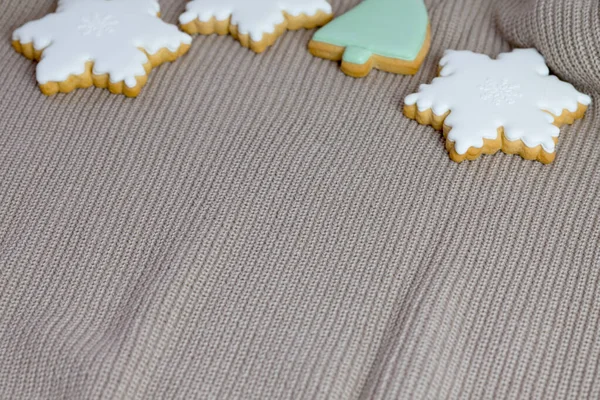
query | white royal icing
[483, 94]
[253, 17]
[108, 32]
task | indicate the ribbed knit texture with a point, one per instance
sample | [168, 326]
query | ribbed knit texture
[565, 31]
[265, 227]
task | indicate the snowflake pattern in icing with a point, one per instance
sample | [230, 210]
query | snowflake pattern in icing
[500, 92]
[251, 17]
[514, 91]
[109, 33]
[97, 24]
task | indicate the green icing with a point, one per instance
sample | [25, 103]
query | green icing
[389, 28]
[356, 55]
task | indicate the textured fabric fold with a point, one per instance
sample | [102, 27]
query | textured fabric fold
[566, 32]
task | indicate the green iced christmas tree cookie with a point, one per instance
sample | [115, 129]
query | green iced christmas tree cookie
[390, 35]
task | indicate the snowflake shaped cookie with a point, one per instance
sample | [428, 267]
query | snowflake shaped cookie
[110, 44]
[511, 104]
[256, 24]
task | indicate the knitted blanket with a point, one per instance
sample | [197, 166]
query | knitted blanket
[265, 227]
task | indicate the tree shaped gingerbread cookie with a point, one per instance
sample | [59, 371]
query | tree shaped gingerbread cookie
[256, 24]
[511, 104]
[389, 35]
[110, 44]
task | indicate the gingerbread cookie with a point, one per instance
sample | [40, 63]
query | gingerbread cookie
[110, 44]
[256, 24]
[484, 105]
[389, 35]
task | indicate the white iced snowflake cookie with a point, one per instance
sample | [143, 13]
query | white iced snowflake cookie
[484, 105]
[110, 44]
[256, 24]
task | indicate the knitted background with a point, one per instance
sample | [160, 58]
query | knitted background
[566, 32]
[265, 227]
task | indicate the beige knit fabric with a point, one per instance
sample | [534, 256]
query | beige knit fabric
[565, 31]
[265, 227]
